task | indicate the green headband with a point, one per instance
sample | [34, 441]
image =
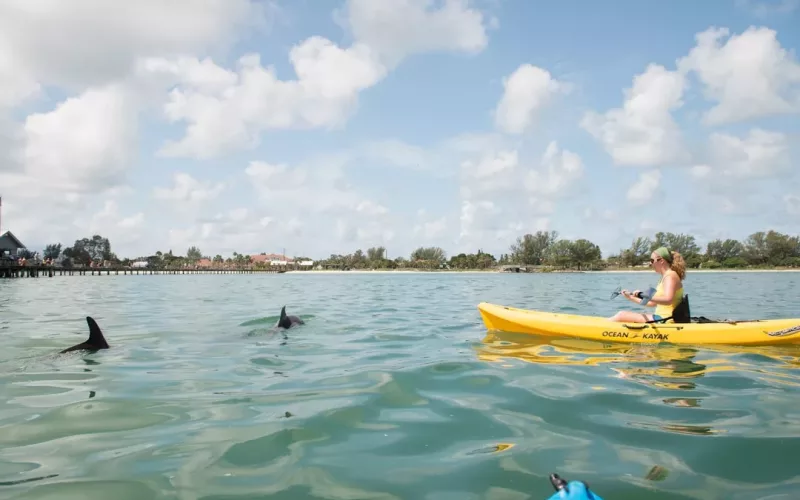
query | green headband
[665, 254]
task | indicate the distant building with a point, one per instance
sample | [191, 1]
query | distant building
[9, 243]
[139, 263]
[258, 259]
[273, 259]
[204, 263]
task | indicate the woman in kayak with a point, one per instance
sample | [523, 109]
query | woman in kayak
[669, 292]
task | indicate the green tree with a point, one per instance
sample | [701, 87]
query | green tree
[755, 249]
[194, 253]
[428, 257]
[583, 252]
[531, 249]
[376, 254]
[559, 253]
[52, 251]
[637, 253]
[684, 244]
[781, 248]
[85, 250]
[719, 250]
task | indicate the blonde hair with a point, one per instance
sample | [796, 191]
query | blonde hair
[674, 259]
[678, 264]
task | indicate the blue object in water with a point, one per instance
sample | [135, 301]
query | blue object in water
[572, 490]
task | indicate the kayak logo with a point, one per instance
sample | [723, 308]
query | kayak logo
[615, 334]
[785, 332]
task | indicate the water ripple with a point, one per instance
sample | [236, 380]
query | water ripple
[391, 390]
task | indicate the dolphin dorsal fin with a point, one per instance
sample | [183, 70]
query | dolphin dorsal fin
[96, 338]
[284, 319]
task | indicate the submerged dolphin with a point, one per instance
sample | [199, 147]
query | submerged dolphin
[287, 321]
[95, 341]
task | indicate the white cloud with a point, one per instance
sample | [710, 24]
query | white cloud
[354, 234]
[792, 204]
[749, 76]
[645, 188]
[233, 111]
[769, 7]
[124, 232]
[188, 191]
[237, 230]
[369, 207]
[760, 153]
[643, 132]
[316, 195]
[526, 91]
[87, 143]
[701, 171]
[737, 168]
[431, 229]
[478, 217]
[267, 177]
[560, 169]
[12, 145]
[400, 154]
[83, 43]
[397, 29]
[17, 86]
[109, 216]
[492, 172]
[499, 194]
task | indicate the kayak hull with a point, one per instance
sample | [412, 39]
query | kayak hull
[527, 321]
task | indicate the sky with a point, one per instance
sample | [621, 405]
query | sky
[315, 127]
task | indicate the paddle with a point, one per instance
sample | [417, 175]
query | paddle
[645, 296]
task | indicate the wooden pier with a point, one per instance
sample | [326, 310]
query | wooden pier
[36, 271]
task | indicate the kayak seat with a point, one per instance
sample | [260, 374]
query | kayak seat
[681, 313]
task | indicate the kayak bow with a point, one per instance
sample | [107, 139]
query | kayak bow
[730, 332]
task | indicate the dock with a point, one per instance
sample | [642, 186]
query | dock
[36, 271]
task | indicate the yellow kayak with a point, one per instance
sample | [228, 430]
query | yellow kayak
[746, 332]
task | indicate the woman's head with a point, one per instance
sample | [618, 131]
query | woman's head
[662, 259]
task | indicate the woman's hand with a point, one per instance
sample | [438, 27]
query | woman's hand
[631, 295]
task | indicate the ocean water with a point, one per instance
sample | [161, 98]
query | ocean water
[393, 389]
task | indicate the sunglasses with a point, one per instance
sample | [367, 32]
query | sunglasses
[656, 259]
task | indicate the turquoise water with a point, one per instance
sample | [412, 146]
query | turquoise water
[393, 389]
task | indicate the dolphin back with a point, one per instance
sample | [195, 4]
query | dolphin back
[286, 321]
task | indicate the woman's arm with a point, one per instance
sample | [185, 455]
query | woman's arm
[670, 285]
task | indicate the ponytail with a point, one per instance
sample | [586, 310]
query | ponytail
[678, 264]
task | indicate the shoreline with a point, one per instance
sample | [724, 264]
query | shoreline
[494, 271]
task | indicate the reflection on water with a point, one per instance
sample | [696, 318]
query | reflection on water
[660, 365]
[664, 367]
[389, 391]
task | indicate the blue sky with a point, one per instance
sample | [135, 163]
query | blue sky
[402, 123]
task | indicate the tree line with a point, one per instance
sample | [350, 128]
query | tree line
[543, 249]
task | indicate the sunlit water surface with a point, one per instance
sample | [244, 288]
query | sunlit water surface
[393, 389]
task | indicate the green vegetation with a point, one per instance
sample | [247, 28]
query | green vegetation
[545, 251]
[542, 251]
